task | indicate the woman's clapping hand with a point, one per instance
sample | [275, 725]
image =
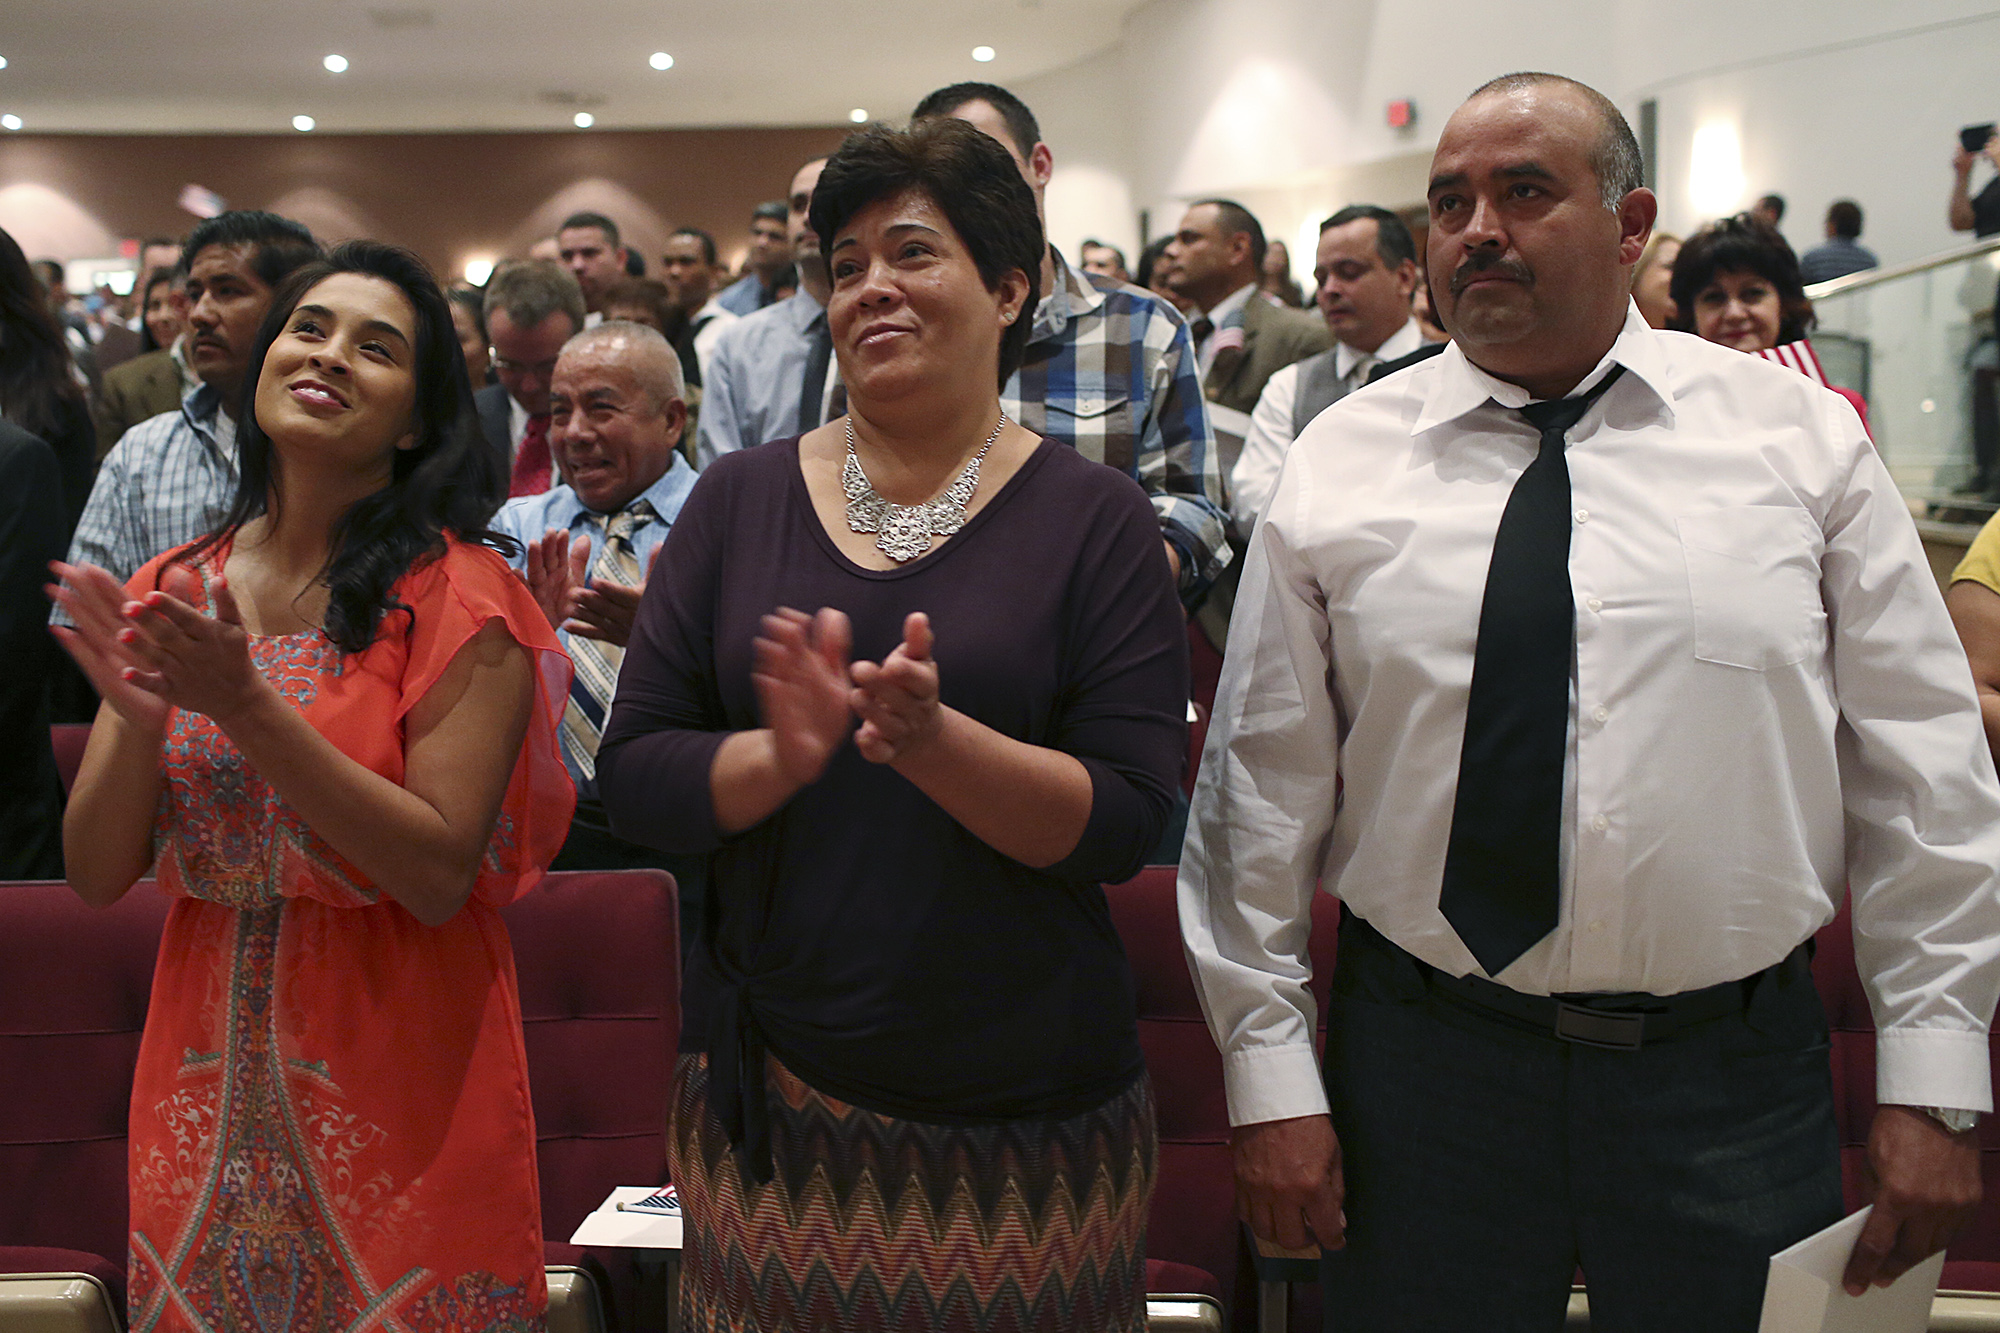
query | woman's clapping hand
[810, 694]
[157, 653]
[801, 676]
[95, 602]
[897, 701]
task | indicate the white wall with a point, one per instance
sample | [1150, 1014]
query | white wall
[1085, 123]
[1834, 99]
[1281, 103]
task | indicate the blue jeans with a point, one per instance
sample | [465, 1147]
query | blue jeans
[1487, 1161]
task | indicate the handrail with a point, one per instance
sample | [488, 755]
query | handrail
[1870, 277]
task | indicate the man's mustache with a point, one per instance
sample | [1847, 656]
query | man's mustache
[1480, 265]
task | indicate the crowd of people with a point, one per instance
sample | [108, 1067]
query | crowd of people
[858, 590]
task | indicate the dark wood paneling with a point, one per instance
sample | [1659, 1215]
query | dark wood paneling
[446, 196]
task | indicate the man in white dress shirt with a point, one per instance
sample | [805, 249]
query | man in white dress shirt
[1589, 714]
[1364, 273]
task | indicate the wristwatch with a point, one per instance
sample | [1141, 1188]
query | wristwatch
[1951, 1117]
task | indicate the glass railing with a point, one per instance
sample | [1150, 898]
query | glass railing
[1916, 341]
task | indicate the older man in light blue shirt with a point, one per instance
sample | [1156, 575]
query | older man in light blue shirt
[617, 413]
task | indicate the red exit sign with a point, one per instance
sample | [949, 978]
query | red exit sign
[1402, 114]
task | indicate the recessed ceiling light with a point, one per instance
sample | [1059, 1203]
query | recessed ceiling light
[3, 62]
[661, 60]
[335, 64]
[982, 53]
[584, 120]
[859, 115]
[304, 124]
[477, 271]
[10, 122]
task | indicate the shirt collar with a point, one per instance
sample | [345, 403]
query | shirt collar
[1459, 386]
[802, 310]
[666, 495]
[202, 406]
[1072, 294]
[1400, 343]
[1230, 304]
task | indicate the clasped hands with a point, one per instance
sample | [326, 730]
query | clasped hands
[558, 576]
[148, 656]
[810, 693]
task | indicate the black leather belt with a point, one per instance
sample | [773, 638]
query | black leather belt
[1616, 1022]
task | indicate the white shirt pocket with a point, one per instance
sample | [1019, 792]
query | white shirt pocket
[1753, 580]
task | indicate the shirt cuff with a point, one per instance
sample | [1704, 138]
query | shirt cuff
[1273, 1083]
[1189, 553]
[1932, 1067]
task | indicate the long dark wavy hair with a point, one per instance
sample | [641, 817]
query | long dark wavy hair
[37, 391]
[450, 482]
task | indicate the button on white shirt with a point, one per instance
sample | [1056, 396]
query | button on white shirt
[1778, 708]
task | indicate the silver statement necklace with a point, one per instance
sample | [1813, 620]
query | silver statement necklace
[905, 531]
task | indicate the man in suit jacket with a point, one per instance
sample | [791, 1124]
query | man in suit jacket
[137, 390]
[1241, 339]
[532, 308]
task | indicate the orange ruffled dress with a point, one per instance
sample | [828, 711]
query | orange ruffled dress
[330, 1117]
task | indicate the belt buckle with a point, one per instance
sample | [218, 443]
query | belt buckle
[1594, 1027]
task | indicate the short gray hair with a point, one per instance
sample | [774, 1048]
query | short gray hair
[655, 365]
[530, 290]
[1614, 159]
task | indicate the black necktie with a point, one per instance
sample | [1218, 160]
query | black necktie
[812, 394]
[1200, 330]
[1502, 868]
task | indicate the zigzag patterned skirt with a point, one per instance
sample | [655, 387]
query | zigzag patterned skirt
[874, 1223]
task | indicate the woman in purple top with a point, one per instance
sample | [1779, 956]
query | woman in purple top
[917, 679]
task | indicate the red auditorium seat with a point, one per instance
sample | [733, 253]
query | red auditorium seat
[1973, 1261]
[598, 957]
[598, 954]
[72, 1006]
[67, 739]
[1193, 1220]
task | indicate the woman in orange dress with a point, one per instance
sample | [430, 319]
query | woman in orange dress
[330, 729]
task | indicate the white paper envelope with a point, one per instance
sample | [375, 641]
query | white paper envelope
[645, 1231]
[1804, 1294]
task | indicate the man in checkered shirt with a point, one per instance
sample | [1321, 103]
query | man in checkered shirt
[171, 478]
[1110, 369]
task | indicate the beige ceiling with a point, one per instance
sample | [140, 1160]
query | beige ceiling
[251, 65]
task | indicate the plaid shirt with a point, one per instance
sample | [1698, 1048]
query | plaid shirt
[1110, 371]
[167, 482]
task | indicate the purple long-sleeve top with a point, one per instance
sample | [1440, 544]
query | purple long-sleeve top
[885, 954]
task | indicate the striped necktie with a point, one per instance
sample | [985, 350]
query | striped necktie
[596, 678]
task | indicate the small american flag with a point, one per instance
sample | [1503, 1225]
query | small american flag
[667, 1203]
[1800, 357]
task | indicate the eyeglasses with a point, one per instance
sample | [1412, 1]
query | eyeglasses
[508, 366]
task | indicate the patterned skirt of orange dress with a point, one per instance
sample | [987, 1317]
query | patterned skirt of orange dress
[872, 1222]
